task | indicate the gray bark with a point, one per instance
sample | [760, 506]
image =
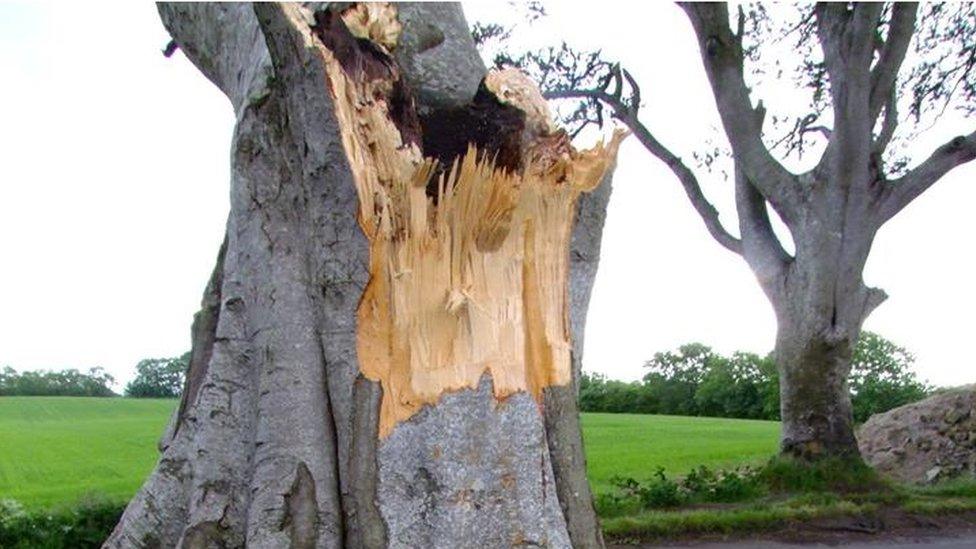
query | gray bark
[275, 443]
[833, 212]
[437, 55]
[561, 403]
[818, 295]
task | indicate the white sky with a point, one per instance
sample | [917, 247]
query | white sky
[114, 171]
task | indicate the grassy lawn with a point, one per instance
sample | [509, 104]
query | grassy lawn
[57, 449]
[631, 445]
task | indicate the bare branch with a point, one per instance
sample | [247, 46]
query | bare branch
[806, 127]
[618, 82]
[170, 48]
[889, 124]
[892, 54]
[580, 94]
[564, 68]
[847, 37]
[760, 246]
[635, 93]
[831, 22]
[740, 24]
[692, 188]
[622, 112]
[864, 23]
[903, 190]
[721, 52]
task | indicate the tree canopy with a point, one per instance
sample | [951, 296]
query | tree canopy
[159, 377]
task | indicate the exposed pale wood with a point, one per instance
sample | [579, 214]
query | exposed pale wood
[475, 280]
[376, 21]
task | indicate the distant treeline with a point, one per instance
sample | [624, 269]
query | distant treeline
[155, 378]
[95, 383]
[694, 380]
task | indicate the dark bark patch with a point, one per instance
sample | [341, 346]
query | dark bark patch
[493, 127]
[496, 129]
[172, 467]
[360, 58]
[204, 335]
[565, 442]
[204, 535]
[365, 525]
[816, 410]
[429, 37]
[150, 541]
[301, 519]
[403, 113]
[364, 61]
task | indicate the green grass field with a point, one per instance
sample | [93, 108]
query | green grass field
[56, 450]
[632, 445]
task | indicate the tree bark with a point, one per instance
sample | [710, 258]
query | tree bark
[818, 293]
[815, 402]
[326, 405]
[820, 304]
[561, 403]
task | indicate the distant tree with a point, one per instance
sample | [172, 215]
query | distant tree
[770, 393]
[736, 387]
[862, 67]
[7, 374]
[159, 377]
[97, 382]
[882, 377]
[674, 377]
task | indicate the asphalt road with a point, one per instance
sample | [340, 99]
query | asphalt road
[964, 541]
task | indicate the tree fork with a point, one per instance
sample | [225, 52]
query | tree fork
[387, 369]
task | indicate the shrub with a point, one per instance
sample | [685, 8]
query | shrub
[722, 486]
[701, 485]
[87, 524]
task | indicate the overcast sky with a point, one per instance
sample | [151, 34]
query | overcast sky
[114, 177]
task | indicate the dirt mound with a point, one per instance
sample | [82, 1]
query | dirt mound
[925, 441]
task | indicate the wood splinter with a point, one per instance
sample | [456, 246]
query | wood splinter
[468, 214]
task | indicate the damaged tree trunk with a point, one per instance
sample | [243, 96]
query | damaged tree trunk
[384, 356]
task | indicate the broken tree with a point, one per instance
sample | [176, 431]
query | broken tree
[384, 355]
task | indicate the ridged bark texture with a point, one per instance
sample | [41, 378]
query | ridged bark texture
[275, 443]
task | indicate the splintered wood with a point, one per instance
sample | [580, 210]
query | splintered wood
[472, 280]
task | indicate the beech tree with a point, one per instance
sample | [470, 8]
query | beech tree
[383, 357]
[851, 60]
